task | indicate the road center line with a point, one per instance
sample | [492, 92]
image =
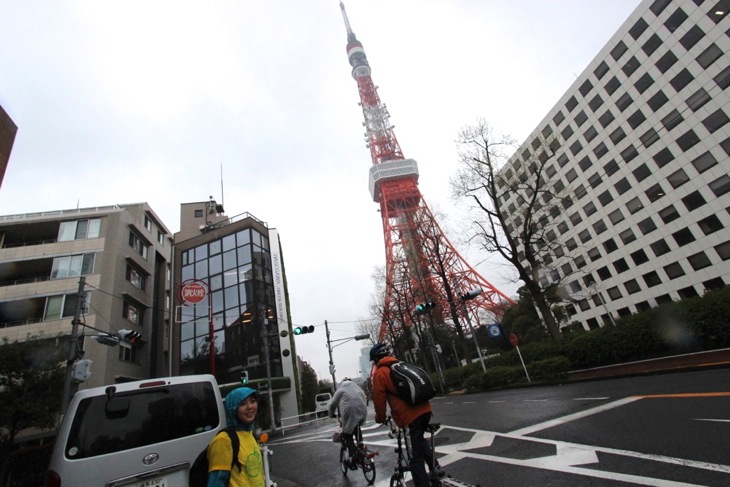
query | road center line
[688, 394]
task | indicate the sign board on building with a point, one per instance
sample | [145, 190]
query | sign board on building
[192, 292]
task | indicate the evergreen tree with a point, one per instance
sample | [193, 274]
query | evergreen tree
[31, 379]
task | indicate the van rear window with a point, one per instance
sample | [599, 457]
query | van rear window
[124, 420]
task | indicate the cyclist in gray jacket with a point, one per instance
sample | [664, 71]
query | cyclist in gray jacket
[350, 399]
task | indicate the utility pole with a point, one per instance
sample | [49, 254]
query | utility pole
[73, 352]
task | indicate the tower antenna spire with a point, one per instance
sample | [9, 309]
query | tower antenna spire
[421, 265]
[350, 33]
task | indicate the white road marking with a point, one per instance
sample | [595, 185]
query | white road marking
[590, 398]
[568, 457]
[566, 419]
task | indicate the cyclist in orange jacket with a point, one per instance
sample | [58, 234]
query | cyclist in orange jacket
[415, 417]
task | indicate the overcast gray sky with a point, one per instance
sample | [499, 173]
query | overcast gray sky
[131, 101]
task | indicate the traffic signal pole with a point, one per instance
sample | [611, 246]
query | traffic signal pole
[73, 351]
[341, 341]
[332, 363]
[464, 298]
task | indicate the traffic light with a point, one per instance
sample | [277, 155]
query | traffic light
[424, 307]
[301, 330]
[471, 294]
[244, 377]
[130, 336]
[109, 340]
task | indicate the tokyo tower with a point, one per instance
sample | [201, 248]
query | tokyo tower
[421, 265]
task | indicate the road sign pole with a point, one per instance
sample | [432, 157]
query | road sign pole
[513, 340]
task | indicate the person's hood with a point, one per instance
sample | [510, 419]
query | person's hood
[231, 403]
[387, 360]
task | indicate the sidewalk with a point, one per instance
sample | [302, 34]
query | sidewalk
[675, 363]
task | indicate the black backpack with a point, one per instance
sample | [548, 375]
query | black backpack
[412, 383]
[199, 470]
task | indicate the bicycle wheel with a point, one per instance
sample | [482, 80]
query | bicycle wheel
[343, 460]
[368, 470]
[397, 480]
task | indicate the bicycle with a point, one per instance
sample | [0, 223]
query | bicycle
[403, 449]
[398, 479]
[363, 458]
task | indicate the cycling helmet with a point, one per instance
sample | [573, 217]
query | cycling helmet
[379, 351]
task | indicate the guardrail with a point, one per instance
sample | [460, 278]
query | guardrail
[674, 363]
[300, 424]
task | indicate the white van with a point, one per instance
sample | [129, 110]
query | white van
[322, 403]
[134, 434]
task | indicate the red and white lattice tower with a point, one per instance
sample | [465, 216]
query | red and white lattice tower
[421, 265]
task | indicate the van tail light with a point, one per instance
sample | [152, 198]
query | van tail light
[53, 479]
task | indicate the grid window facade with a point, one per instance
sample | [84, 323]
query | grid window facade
[645, 154]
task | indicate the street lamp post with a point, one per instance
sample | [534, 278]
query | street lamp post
[341, 341]
[600, 298]
[594, 292]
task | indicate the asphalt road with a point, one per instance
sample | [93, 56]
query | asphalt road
[662, 430]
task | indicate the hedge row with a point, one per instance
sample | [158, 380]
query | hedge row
[497, 377]
[691, 325]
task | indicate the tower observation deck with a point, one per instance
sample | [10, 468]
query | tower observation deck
[421, 265]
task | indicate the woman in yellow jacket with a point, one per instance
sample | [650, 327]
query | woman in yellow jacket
[241, 406]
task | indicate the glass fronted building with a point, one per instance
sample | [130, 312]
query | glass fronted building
[237, 261]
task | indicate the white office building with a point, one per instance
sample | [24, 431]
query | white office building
[641, 143]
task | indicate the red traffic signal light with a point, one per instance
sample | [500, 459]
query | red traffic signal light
[301, 330]
[130, 336]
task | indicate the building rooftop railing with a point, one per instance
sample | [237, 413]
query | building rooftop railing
[233, 219]
[22, 216]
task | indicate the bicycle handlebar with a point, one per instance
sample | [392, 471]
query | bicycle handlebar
[393, 429]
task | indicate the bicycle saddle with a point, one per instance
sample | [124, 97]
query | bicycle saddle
[433, 427]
